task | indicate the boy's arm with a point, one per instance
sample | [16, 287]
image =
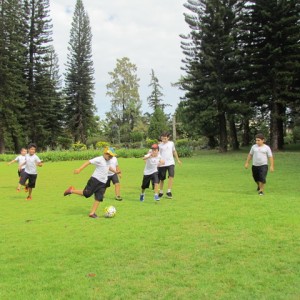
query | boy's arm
[146, 156]
[249, 157]
[176, 156]
[9, 163]
[271, 159]
[114, 171]
[77, 171]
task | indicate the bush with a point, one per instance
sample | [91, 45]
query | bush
[182, 142]
[79, 146]
[101, 145]
[150, 142]
[184, 151]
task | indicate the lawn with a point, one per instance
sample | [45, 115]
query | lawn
[216, 239]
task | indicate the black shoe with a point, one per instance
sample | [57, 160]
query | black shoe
[94, 216]
[119, 198]
[169, 195]
[160, 195]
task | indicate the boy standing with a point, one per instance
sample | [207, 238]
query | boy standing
[114, 178]
[20, 159]
[153, 160]
[97, 183]
[260, 152]
[30, 171]
[167, 151]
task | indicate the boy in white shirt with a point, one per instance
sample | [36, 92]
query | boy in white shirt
[167, 151]
[97, 183]
[260, 152]
[153, 160]
[20, 159]
[114, 178]
[30, 171]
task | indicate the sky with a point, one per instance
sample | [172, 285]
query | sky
[145, 31]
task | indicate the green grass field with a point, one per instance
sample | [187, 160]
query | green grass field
[216, 239]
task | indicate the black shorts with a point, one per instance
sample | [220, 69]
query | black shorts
[20, 172]
[162, 172]
[150, 178]
[95, 187]
[259, 173]
[30, 177]
[113, 178]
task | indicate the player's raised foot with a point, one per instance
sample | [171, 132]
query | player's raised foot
[119, 198]
[160, 195]
[29, 198]
[261, 193]
[169, 195]
[94, 216]
[156, 198]
[69, 191]
[142, 197]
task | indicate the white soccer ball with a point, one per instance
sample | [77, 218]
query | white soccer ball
[110, 211]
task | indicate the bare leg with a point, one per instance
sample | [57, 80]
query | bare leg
[156, 188]
[161, 184]
[261, 186]
[170, 182]
[94, 207]
[117, 189]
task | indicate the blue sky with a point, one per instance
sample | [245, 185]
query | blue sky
[145, 31]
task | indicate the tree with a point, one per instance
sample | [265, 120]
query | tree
[210, 64]
[274, 55]
[155, 99]
[12, 84]
[158, 124]
[79, 81]
[125, 98]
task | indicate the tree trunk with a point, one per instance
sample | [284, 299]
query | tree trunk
[2, 143]
[234, 143]
[274, 130]
[280, 125]
[246, 132]
[222, 133]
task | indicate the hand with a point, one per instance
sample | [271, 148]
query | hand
[271, 168]
[246, 165]
[179, 161]
[77, 171]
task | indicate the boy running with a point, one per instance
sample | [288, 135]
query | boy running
[97, 183]
[153, 160]
[114, 178]
[30, 171]
[260, 152]
[20, 159]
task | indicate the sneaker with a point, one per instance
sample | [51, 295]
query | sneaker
[69, 191]
[26, 189]
[260, 193]
[156, 198]
[160, 195]
[142, 197]
[119, 198]
[29, 198]
[94, 216]
[169, 195]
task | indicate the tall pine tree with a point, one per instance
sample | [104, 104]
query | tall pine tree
[79, 81]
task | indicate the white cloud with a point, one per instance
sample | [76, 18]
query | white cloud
[147, 32]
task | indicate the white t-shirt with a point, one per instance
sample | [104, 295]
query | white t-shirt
[166, 152]
[113, 163]
[260, 154]
[101, 170]
[21, 159]
[151, 164]
[31, 162]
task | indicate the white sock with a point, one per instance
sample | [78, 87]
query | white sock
[169, 190]
[161, 191]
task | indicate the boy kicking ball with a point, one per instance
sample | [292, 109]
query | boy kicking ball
[97, 183]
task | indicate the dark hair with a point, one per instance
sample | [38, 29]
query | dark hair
[260, 136]
[32, 145]
[167, 134]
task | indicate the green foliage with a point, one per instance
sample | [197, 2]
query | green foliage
[182, 142]
[79, 146]
[101, 145]
[158, 124]
[150, 142]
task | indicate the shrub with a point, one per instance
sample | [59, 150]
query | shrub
[79, 146]
[101, 145]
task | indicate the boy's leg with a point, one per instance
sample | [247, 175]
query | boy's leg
[117, 189]
[77, 192]
[29, 193]
[94, 207]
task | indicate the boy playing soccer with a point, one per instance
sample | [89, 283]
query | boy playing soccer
[260, 152]
[153, 160]
[97, 183]
[167, 151]
[114, 178]
[30, 171]
[20, 159]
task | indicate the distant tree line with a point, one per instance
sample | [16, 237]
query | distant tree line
[242, 66]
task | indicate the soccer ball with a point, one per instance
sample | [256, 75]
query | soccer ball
[110, 211]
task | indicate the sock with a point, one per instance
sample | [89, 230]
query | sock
[161, 191]
[169, 190]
